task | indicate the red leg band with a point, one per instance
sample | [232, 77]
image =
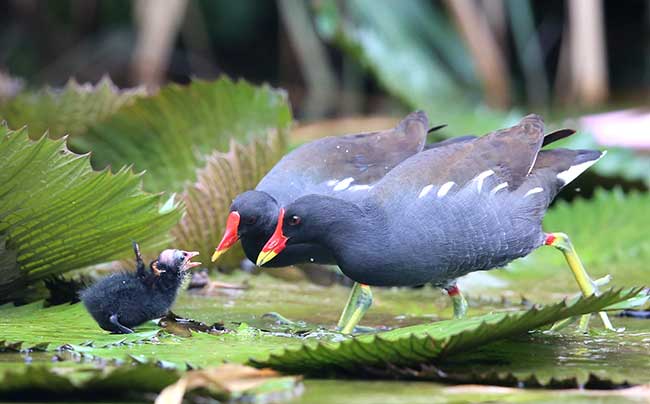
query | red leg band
[453, 291]
[549, 239]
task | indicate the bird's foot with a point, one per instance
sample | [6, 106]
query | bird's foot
[583, 326]
[360, 329]
[279, 319]
[588, 287]
[120, 328]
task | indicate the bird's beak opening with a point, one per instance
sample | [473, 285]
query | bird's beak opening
[230, 236]
[188, 260]
[276, 243]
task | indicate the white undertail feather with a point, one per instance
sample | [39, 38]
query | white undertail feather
[481, 177]
[574, 171]
[445, 188]
[425, 191]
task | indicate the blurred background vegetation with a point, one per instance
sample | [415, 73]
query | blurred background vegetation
[342, 58]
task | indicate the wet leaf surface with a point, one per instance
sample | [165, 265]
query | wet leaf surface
[313, 307]
[425, 343]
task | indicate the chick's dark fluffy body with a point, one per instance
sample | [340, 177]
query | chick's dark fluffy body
[131, 298]
[127, 299]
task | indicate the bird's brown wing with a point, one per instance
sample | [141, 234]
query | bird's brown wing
[505, 156]
[333, 164]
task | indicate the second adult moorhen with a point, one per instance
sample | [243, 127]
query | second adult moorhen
[344, 166]
[444, 213]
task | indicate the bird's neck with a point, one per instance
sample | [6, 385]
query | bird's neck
[168, 281]
[359, 233]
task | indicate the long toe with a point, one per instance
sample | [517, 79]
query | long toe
[278, 319]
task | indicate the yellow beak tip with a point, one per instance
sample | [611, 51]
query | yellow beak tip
[216, 255]
[265, 257]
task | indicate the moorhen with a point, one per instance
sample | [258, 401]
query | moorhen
[343, 166]
[445, 212]
[124, 300]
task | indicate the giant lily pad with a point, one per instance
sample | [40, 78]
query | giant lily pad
[59, 215]
[171, 133]
[66, 111]
[411, 346]
[33, 327]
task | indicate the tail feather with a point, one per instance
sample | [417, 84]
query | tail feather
[557, 135]
[556, 168]
[566, 164]
[553, 170]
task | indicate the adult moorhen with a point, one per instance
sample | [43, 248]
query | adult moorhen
[445, 212]
[343, 166]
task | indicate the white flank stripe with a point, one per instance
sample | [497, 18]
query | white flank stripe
[498, 188]
[331, 183]
[359, 187]
[535, 190]
[343, 184]
[445, 188]
[574, 171]
[425, 191]
[482, 176]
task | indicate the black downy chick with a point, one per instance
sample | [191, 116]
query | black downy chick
[125, 300]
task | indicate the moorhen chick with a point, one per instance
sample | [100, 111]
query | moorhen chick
[124, 300]
[344, 166]
[445, 212]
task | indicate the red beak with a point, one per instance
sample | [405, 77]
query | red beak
[276, 243]
[230, 236]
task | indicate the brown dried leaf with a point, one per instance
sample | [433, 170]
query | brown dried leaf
[227, 381]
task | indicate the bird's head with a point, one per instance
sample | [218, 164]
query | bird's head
[253, 212]
[174, 262]
[306, 220]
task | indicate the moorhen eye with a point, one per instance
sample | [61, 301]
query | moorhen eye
[294, 220]
[250, 220]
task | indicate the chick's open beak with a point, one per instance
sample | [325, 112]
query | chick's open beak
[188, 260]
[275, 245]
[230, 236]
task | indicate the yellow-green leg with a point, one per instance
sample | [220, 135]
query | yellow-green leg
[458, 301]
[358, 303]
[587, 286]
